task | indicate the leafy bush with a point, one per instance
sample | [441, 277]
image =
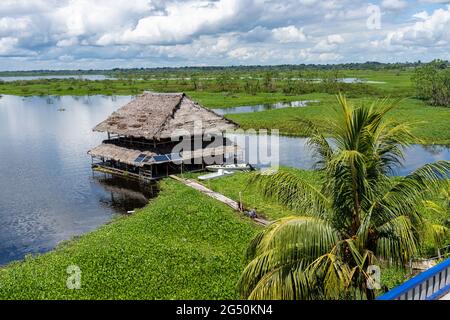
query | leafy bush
[432, 82]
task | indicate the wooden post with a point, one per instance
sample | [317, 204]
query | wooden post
[241, 206]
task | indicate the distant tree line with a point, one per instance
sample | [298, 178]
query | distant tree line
[369, 65]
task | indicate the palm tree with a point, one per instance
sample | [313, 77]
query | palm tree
[358, 217]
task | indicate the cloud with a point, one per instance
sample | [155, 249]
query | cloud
[143, 33]
[289, 34]
[430, 30]
[9, 47]
[331, 43]
[181, 22]
[394, 4]
[10, 26]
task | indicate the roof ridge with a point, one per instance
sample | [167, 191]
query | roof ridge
[172, 114]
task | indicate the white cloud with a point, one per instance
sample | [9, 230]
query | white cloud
[85, 33]
[242, 53]
[289, 34]
[9, 47]
[67, 42]
[331, 43]
[14, 26]
[429, 31]
[394, 4]
[182, 21]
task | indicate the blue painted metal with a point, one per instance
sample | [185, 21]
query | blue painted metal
[434, 282]
[439, 293]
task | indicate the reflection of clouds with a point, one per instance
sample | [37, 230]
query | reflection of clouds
[262, 107]
[47, 172]
[436, 149]
[417, 156]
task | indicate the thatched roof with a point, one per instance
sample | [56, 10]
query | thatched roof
[128, 155]
[160, 115]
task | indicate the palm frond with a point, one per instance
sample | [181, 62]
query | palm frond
[398, 240]
[405, 196]
[285, 283]
[331, 273]
[291, 241]
[322, 150]
[293, 192]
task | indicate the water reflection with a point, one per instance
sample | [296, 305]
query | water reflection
[47, 192]
[77, 77]
[125, 195]
[294, 152]
[263, 107]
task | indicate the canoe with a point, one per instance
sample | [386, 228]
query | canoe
[217, 174]
[230, 167]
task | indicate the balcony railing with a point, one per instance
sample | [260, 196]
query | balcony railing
[431, 284]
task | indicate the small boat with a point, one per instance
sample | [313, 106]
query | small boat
[230, 167]
[219, 173]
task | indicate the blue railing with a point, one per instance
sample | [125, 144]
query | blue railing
[428, 285]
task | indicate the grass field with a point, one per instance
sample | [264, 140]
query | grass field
[183, 245]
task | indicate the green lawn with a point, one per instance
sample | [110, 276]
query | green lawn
[232, 185]
[183, 245]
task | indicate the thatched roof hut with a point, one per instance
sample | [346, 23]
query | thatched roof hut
[156, 116]
[143, 147]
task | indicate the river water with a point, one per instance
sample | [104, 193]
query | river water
[82, 77]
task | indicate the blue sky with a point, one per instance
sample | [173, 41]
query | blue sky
[82, 34]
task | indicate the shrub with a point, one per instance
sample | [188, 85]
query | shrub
[432, 82]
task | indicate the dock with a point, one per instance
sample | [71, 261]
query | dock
[219, 197]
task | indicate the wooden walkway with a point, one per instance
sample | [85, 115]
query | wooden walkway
[220, 197]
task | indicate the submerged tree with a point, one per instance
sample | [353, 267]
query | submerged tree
[357, 218]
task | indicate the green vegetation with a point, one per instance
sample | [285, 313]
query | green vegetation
[356, 218]
[251, 196]
[183, 245]
[154, 254]
[228, 87]
[430, 125]
[432, 82]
